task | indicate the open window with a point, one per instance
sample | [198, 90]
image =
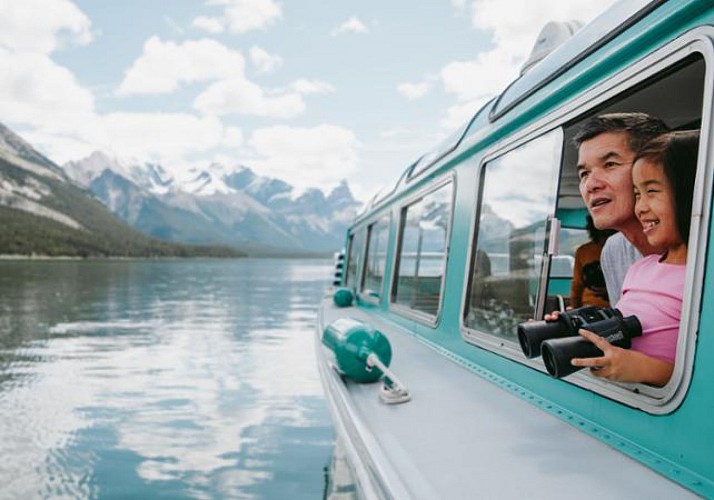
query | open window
[686, 79]
[513, 271]
[422, 250]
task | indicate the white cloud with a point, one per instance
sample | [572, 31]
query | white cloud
[413, 91]
[239, 96]
[209, 24]
[514, 26]
[304, 86]
[35, 90]
[240, 16]
[42, 25]
[319, 156]
[161, 137]
[57, 146]
[489, 73]
[166, 138]
[164, 65]
[233, 137]
[352, 25]
[264, 61]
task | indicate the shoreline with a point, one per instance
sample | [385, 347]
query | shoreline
[18, 257]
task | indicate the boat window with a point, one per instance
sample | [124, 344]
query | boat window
[354, 257]
[685, 79]
[517, 200]
[420, 268]
[376, 257]
[515, 266]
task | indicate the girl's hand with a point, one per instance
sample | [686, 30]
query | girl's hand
[624, 365]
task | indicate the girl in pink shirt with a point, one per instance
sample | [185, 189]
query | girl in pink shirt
[663, 175]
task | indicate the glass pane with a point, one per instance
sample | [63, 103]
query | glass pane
[376, 257]
[354, 258]
[422, 257]
[517, 200]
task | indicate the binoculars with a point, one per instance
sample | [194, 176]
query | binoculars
[558, 341]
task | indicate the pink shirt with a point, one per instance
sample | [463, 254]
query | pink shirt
[653, 292]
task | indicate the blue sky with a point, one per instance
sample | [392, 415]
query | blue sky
[309, 91]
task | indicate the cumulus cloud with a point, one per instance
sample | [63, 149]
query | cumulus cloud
[264, 61]
[36, 90]
[318, 156]
[352, 25]
[42, 25]
[209, 24]
[413, 91]
[233, 137]
[514, 26]
[161, 136]
[46, 103]
[163, 66]
[240, 16]
[304, 86]
[239, 96]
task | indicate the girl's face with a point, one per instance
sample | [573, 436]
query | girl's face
[655, 209]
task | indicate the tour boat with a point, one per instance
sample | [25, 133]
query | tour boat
[417, 346]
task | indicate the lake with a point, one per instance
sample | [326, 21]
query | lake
[162, 379]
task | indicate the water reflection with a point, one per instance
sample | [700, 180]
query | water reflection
[180, 379]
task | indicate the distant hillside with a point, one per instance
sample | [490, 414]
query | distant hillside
[43, 212]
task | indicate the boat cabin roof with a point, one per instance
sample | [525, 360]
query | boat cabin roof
[583, 43]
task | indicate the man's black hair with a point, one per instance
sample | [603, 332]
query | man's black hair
[641, 127]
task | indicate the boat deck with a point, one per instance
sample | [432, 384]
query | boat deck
[463, 436]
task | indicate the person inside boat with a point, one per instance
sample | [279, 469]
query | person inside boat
[606, 149]
[663, 175]
[588, 285]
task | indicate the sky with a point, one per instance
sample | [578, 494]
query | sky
[309, 91]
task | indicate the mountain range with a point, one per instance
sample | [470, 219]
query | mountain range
[217, 205]
[43, 212]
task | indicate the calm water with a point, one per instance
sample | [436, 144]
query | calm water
[169, 379]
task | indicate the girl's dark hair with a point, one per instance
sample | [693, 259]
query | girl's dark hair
[677, 153]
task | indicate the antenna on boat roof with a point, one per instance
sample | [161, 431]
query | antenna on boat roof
[552, 36]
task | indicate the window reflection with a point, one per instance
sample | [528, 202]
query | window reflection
[378, 237]
[422, 256]
[354, 257]
[516, 202]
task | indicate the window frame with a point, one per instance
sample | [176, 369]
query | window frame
[653, 400]
[350, 254]
[364, 294]
[401, 309]
[484, 339]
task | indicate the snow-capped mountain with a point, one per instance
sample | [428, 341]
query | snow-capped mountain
[218, 204]
[44, 212]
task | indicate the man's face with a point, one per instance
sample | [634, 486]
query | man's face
[605, 173]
